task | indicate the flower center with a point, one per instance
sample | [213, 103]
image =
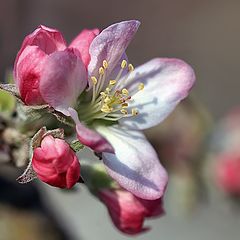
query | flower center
[111, 102]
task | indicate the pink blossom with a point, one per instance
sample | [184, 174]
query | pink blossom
[128, 212]
[37, 48]
[117, 103]
[55, 163]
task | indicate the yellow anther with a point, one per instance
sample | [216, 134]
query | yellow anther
[123, 64]
[125, 92]
[103, 94]
[105, 108]
[101, 71]
[130, 67]
[140, 86]
[134, 112]
[107, 90]
[124, 105]
[124, 111]
[94, 80]
[112, 82]
[105, 64]
[107, 100]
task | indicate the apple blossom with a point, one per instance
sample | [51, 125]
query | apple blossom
[108, 99]
[55, 163]
[128, 211]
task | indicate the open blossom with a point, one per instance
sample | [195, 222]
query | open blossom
[128, 212]
[56, 163]
[110, 101]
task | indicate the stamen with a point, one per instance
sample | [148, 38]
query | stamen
[124, 105]
[113, 102]
[125, 92]
[130, 68]
[124, 111]
[112, 82]
[123, 64]
[94, 81]
[101, 71]
[101, 80]
[106, 109]
[105, 64]
[134, 112]
[140, 86]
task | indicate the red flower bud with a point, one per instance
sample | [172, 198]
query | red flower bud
[56, 163]
[30, 60]
[228, 177]
[35, 53]
[128, 211]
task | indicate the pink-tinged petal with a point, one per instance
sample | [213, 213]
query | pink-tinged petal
[135, 165]
[48, 147]
[43, 169]
[110, 45]
[55, 163]
[63, 80]
[55, 180]
[152, 208]
[126, 212]
[90, 137]
[47, 39]
[73, 173]
[82, 43]
[28, 73]
[166, 83]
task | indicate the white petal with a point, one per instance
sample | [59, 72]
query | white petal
[110, 45]
[135, 165]
[166, 81]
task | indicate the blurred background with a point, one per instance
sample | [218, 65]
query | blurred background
[206, 34]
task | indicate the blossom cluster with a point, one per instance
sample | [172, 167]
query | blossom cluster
[91, 86]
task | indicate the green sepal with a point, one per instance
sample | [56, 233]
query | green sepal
[76, 145]
[96, 178]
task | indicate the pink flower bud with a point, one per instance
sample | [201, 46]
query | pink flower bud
[55, 163]
[39, 50]
[128, 211]
[227, 173]
[30, 60]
